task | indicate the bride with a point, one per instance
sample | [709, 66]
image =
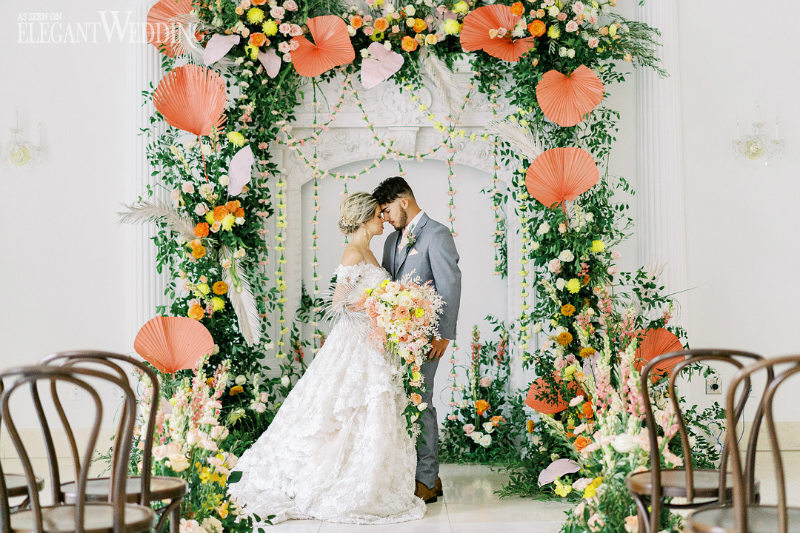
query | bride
[338, 449]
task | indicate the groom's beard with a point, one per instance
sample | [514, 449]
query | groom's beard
[403, 222]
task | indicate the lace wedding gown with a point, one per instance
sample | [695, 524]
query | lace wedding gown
[338, 449]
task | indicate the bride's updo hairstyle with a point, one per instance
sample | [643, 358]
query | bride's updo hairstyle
[356, 209]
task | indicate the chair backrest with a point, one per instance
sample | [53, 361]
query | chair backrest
[78, 377]
[109, 359]
[744, 478]
[685, 358]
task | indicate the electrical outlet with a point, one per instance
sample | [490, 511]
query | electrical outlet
[712, 385]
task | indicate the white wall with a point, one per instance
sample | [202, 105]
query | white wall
[65, 259]
[742, 217]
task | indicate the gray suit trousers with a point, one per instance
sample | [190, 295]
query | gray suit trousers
[428, 451]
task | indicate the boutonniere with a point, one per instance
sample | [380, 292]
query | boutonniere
[410, 239]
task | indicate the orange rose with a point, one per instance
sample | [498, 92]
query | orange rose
[239, 213]
[196, 312]
[416, 399]
[258, 39]
[220, 287]
[496, 420]
[258, 2]
[409, 44]
[381, 24]
[518, 9]
[198, 252]
[588, 412]
[481, 406]
[233, 205]
[201, 230]
[581, 442]
[537, 28]
[420, 25]
[356, 21]
[220, 212]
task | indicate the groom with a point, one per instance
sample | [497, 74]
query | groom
[423, 248]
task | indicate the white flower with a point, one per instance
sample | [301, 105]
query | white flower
[178, 462]
[485, 441]
[240, 380]
[553, 11]
[212, 525]
[476, 435]
[536, 440]
[264, 397]
[543, 228]
[488, 427]
[206, 149]
[553, 456]
[576, 401]
[560, 284]
[190, 526]
[218, 432]
[224, 179]
[566, 256]
[411, 11]
[580, 485]
[239, 253]
[624, 443]
[285, 381]
[351, 31]
[571, 53]
[534, 246]
[463, 404]
[537, 328]
[422, 406]
[187, 187]
[189, 142]
[200, 209]
[258, 407]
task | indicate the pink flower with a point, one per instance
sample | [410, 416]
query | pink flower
[572, 26]
[593, 42]
[295, 30]
[485, 381]
[395, 29]
[554, 266]
[277, 12]
[285, 28]
[294, 45]
[368, 30]
[562, 16]
[290, 5]
[283, 47]
[469, 428]
[452, 417]
[577, 8]
[612, 270]
[615, 255]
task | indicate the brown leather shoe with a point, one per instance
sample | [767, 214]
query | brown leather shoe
[424, 493]
[438, 487]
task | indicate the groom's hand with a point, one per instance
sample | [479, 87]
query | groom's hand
[439, 346]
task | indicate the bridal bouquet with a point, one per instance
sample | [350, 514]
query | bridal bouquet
[407, 314]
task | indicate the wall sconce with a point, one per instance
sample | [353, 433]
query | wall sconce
[20, 152]
[757, 145]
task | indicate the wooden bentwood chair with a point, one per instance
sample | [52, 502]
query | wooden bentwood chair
[112, 516]
[746, 515]
[692, 484]
[143, 489]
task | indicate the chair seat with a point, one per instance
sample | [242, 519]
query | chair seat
[99, 519]
[760, 519]
[161, 488]
[673, 483]
[17, 484]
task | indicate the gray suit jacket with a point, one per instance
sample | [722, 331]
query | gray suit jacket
[433, 257]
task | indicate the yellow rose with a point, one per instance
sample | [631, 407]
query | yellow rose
[236, 138]
[270, 28]
[461, 7]
[431, 39]
[612, 30]
[217, 303]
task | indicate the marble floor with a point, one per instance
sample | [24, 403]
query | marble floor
[470, 504]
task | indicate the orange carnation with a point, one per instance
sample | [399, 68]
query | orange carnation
[567, 309]
[220, 212]
[220, 287]
[581, 442]
[409, 44]
[420, 25]
[537, 28]
[258, 39]
[201, 230]
[356, 21]
[196, 312]
[496, 420]
[198, 252]
[587, 351]
[518, 9]
[233, 205]
[236, 389]
[481, 406]
[381, 24]
[564, 338]
[258, 2]
[588, 412]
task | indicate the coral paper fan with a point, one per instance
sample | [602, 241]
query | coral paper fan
[172, 343]
[540, 398]
[160, 19]
[192, 98]
[475, 33]
[565, 100]
[656, 342]
[561, 174]
[331, 47]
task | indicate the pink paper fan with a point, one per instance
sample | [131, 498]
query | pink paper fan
[556, 469]
[657, 342]
[192, 98]
[550, 403]
[331, 46]
[160, 20]
[565, 100]
[271, 62]
[380, 66]
[240, 170]
[475, 33]
[218, 47]
[172, 343]
[561, 174]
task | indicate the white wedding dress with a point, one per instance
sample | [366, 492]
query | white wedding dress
[338, 449]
